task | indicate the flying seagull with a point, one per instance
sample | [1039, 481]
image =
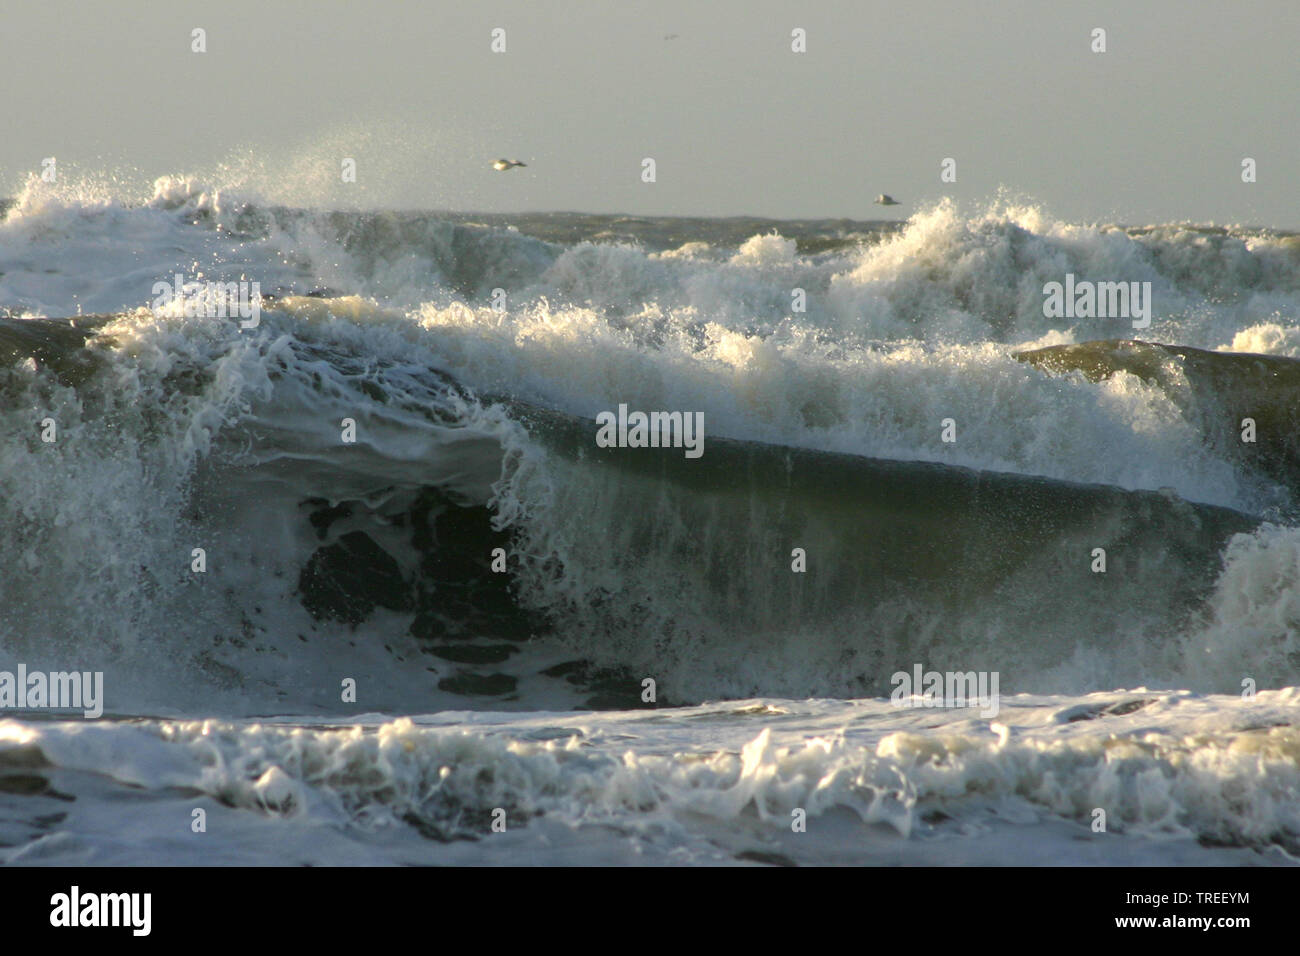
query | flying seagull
[886, 200]
[501, 165]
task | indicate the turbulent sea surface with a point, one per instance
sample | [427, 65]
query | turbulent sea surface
[473, 354]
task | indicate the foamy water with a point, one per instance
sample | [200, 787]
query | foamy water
[327, 561]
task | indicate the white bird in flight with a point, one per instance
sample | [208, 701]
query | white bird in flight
[501, 165]
[886, 200]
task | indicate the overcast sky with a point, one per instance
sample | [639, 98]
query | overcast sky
[1152, 130]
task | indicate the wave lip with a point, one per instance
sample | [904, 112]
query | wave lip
[1231, 396]
[913, 561]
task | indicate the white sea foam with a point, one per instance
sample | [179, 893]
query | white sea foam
[1173, 773]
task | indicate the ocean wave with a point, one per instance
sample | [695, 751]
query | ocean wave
[373, 556]
[471, 359]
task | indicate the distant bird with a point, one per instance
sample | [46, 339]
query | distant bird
[885, 200]
[501, 165]
[671, 36]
